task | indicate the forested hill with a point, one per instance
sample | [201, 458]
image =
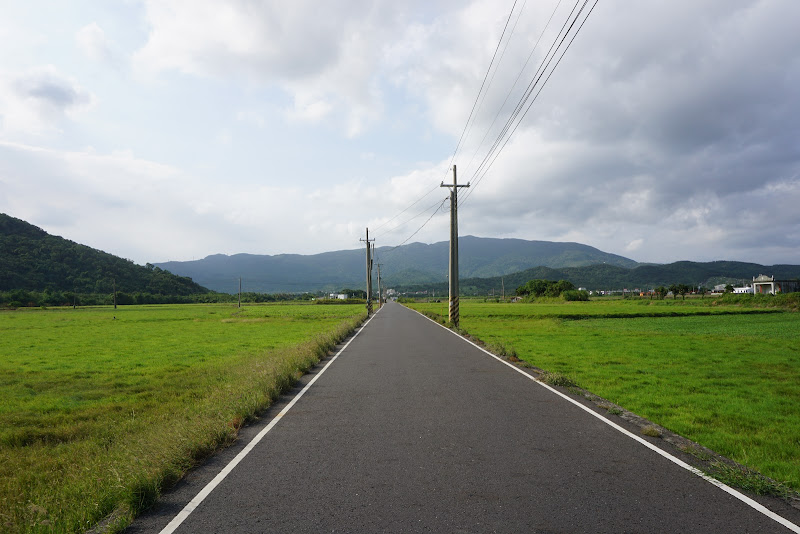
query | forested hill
[31, 259]
[612, 277]
[415, 263]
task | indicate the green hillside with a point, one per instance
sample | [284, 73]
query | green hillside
[415, 263]
[611, 277]
[33, 260]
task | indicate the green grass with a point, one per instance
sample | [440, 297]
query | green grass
[101, 408]
[727, 377]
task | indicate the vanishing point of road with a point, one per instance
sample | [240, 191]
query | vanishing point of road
[410, 428]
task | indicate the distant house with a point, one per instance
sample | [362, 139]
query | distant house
[743, 290]
[340, 296]
[767, 285]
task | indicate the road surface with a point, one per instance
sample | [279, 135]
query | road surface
[413, 429]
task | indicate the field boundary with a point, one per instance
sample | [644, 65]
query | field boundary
[649, 314]
[674, 459]
[208, 488]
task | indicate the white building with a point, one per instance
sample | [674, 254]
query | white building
[763, 284]
[743, 290]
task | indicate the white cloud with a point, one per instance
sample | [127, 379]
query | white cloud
[325, 55]
[93, 43]
[642, 142]
[150, 212]
[254, 117]
[116, 202]
[39, 99]
[634, 245]
[308, 108]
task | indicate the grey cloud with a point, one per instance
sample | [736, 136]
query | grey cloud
[271, 41]
[708, 105]
[62, 96]
[51, 90]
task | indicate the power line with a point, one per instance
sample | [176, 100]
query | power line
[482, 97]
[539, 91]
[508, 130]
[407, 208]
[477, 97]
[426, 210]
[521, 71]
[537, 76]
[469, 119]
[525, 102]
[438, 207]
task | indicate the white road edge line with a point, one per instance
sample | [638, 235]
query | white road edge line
[195, 502]
[724, 487]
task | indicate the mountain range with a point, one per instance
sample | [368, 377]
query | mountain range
[31, 259]
[416, 263]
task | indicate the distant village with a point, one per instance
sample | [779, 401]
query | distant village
[761, 284]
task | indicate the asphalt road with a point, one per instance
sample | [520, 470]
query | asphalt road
[413, 429]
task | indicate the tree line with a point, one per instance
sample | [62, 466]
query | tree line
[18, 298]
[551, 288]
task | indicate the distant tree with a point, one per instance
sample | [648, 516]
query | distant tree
[702, 290]
[124, 299]
[545, 288]
[728, 288]
[661, 291]
[536, 287]
[575, 295]
[674, 290]
[559, 287]
[683, 289]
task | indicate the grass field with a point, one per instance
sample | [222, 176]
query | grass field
[101, 408]
[725, 377]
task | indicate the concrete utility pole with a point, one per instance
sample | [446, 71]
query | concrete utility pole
[369, 272]
[380, 292]
[240, 292]
[453, 305]
[115, 293]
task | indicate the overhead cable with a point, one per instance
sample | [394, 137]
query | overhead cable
[511, 90]
[426, 210]
[438, 207]
[406, 209]
[537, 76]
[483, 84]
[519, 115]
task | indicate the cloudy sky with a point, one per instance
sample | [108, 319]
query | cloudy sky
[174, 129]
